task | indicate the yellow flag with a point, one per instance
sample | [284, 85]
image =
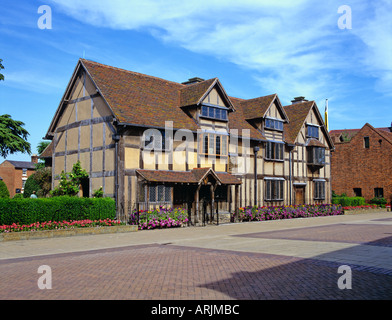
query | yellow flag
[326, 114]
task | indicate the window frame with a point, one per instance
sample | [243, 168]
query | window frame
[366, 142]
[272, 149]
[274, 189]
[309, 131]
[211, 112]
[319, 189]
[212, 148]
[312, 156]
[378, 191]
[157, 190]
[276, 124]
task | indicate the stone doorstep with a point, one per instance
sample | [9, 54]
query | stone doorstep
[27, 235]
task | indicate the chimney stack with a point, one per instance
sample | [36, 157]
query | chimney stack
[193, 81]
[34, 158]
[298, 100]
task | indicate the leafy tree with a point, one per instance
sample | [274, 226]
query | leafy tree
[1, 67]
[12, 136]
[41, 148]
[4, 193]
[70, 182]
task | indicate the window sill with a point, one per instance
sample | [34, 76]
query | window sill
[274, 160]
[212, 118]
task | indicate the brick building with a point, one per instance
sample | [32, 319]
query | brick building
[361, 164]
[15, 173]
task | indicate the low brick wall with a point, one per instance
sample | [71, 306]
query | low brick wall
[27, 235]
[359, 211]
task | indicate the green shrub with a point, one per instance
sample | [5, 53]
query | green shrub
[25, 211]
[348, 201]
[379, 201]
[4, 193]
[30, 186]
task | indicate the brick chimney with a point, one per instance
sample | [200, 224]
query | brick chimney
[193, 80]
[34, 158]
[298, 100]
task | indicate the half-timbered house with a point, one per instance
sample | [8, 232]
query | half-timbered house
[148, 142]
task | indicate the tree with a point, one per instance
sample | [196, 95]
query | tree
[70, 182]
[41, 148]
[1, 67]
[4, 193]
[13, 137]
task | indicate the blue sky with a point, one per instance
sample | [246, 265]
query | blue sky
[289, 47]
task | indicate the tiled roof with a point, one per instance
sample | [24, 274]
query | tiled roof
[297, 113]
[139, 99]
[47, 153]
[238, 121]
[315, 143]
[194, 176]
[22, 164]
[350, 133]
[256, 108]
[135, 97]
[192, 93]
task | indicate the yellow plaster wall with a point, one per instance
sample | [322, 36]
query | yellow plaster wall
[132, 158]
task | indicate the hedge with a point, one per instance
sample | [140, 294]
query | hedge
[25, 211]
[349, 201]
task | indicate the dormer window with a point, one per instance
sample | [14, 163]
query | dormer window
[273, 124]
[312, 131]
[316, 156]
[214, 112]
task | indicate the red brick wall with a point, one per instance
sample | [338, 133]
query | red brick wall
[354, 166]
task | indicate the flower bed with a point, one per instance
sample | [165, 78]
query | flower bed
[288, 212]
[159, 218]
[368, 206]
[58, 225]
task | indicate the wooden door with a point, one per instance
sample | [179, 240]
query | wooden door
[299, 195]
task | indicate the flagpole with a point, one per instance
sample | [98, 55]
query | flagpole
[326, 114]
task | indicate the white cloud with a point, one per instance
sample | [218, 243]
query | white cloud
[295, 47]
[375, 30]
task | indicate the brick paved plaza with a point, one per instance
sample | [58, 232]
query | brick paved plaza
[289, 259]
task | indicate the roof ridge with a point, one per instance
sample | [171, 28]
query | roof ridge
[132, 72]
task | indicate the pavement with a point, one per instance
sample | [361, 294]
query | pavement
[296, 259]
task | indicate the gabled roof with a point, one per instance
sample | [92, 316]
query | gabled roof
[348, 134]
[257, 107]
[383, 133]
[195, 176]
[297, 113]
[238, 121]
[194, 94]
